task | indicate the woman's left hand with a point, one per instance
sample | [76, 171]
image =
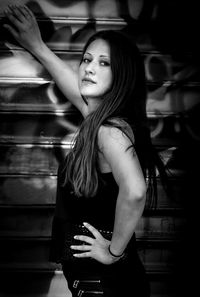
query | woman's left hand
[96, 248]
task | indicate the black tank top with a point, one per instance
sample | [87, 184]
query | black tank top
[99, 211]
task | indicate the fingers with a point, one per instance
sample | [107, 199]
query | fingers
[15, 13]
[9, 13]
[82, 247]
[11, 29]
[21, 18]
[84, 238]
[12, 17]
[93, 230]
[93, 248]
[22, 12]
[82, 255]
[19, 13]
[27, 11]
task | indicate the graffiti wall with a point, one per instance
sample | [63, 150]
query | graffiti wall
[37, 124]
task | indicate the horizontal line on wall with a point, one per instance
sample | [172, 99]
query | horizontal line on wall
[28, 174]
[67, 145]
[48, 238]
[6, 81]
[143, 242]
[67, 48]
[43, 207]
[24, 80]
[50, 267]
[42, 109]
[37, 110]
[34, 141]
[177, 175]
[81, 20]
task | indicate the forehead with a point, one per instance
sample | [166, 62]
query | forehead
[98, 47]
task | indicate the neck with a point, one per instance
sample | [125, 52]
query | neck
[93, 104]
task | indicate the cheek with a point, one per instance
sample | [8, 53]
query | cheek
[108, 80]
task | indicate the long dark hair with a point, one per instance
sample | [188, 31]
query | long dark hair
[127, 100]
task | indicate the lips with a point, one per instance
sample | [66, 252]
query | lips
[88, 80]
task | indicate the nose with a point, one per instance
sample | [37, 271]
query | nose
[90, 68]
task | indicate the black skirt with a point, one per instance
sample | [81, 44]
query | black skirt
[124, 278]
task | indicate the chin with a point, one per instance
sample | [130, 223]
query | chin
[88, 94]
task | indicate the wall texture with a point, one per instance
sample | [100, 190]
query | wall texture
[37, 123]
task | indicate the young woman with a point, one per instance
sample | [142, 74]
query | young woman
[102, 184]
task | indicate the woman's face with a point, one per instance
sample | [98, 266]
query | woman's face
[95, 76]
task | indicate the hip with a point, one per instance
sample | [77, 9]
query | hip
[107, 285]
[126, 277]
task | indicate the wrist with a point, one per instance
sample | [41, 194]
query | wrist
[39, 49]
[115, 255]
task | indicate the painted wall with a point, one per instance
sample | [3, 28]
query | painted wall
[37, 123]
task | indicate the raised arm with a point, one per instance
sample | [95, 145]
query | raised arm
[132, 188]
[26, 31]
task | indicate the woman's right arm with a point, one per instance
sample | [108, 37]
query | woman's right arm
[26, 31]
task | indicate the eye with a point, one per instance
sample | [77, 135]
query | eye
[104, 63]
[86, 60]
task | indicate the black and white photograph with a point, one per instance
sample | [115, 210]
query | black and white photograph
[99, 148]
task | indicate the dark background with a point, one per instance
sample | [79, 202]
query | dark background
[37, 123]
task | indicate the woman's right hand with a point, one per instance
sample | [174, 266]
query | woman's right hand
[25, 28]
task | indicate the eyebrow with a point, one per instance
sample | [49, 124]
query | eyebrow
[103, 56]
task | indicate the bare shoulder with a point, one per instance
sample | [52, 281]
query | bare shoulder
[115, 135]
[117, 153]
[107, 132]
